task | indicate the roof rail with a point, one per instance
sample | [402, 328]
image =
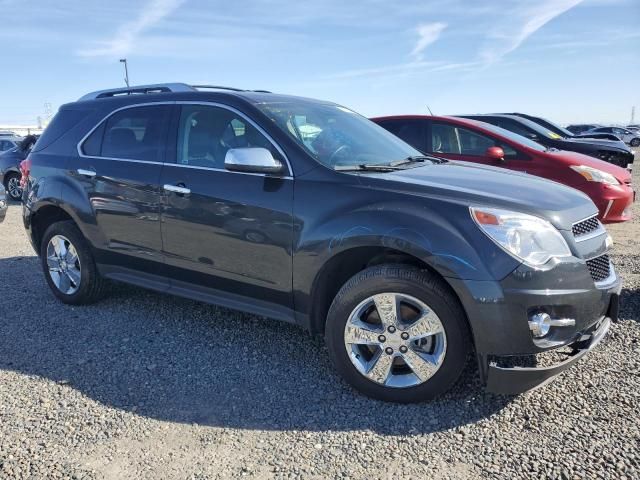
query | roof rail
[157, 88]
[140, 89]
[216, 87]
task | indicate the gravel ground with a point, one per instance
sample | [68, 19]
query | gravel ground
[147, 386]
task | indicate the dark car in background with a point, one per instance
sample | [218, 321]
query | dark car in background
[468, 140]
[605, 150]
[579, 128]
[406, 263]
[10, 160]
[563, 132]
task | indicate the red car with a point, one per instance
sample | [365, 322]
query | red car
[455, 138]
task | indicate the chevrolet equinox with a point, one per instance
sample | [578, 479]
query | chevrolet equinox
[304, 211]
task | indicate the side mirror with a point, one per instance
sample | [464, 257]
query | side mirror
[495, 153]
[253, 160]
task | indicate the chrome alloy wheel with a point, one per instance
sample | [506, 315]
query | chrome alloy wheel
[13, 187]
[64, 264]
[395, 340]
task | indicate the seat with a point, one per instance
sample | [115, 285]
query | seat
[119, 142]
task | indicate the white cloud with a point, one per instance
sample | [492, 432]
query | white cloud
[523, 22]
[428, 34]
[125, 38]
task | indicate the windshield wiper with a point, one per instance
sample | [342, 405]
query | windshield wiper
[363, 167]
[417, 159]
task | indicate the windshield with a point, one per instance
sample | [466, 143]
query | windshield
[556, 128]
[539, 129]
[514, 137]
[337, 136]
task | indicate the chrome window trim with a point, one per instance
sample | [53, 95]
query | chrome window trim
[194, 102]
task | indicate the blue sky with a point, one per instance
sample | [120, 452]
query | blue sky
[568, 60]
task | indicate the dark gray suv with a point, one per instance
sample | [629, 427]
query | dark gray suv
[304, 211]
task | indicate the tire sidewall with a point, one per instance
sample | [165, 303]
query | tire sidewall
[6, 185]
[71, 232]
[418, 286]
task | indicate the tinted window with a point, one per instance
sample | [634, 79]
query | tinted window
[136, 133]
[93, 144]
[61, 123]
[206, 133]
[411, 131]
[451, 139]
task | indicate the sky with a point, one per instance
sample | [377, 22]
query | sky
[568, 60]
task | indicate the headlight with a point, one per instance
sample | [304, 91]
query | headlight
[595, 175]
[528, 238]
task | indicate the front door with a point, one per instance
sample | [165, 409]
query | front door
[119, 168]
[225, 231]
[454, 142]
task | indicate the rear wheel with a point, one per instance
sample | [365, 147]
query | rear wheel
[69, 266]
[12, 185]
[398, 334]
[635, 142]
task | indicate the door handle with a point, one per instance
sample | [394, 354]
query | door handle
[177, 189]
[86, 173]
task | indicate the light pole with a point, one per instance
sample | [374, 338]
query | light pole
[126, 71]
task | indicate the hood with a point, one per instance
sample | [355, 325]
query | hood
[573, 158]
[614, 144]
[474, 184]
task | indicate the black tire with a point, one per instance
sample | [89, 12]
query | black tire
[422, 285]
[635, 142]
[92, 286]
[7, 179]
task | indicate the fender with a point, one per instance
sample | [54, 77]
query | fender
[444, 246]
[61, 192]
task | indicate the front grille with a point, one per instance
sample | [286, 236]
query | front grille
[586, 226]
[599, 267]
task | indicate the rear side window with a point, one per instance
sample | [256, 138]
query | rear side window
[136, 133]
[411, 131]
[62, 122]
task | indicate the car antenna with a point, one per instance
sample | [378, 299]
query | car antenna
[430, 112]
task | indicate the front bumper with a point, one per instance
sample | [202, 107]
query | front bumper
[514, 380]
[613, 201]
[499, 311]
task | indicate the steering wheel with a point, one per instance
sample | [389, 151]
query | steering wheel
[341, 150]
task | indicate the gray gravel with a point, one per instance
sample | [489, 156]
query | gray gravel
[147, 386]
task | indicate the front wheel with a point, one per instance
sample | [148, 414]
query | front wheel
[68, 265]
[397, 334]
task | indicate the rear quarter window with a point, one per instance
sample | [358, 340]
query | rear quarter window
[62, 122]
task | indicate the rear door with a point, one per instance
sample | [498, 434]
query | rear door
[225, 233]
[119, 166]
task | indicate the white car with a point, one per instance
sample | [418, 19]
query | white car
[627, 136]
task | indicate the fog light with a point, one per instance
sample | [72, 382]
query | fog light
[541, 323]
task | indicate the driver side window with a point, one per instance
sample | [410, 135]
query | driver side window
[206, 134]
[454, 140]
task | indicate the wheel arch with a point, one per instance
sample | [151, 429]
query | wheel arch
[343, 265]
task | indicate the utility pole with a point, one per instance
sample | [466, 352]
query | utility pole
[126, 71]
[633, 115]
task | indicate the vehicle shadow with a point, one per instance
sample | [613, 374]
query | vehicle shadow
[629, 304]
[177, 360]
